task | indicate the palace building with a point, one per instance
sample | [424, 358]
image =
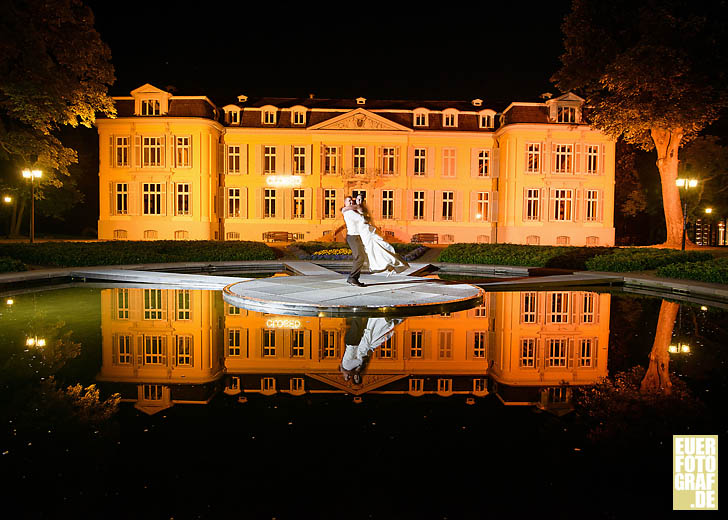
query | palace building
[180, 167]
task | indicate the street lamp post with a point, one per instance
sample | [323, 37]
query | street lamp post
[32, 174]
[687, 184]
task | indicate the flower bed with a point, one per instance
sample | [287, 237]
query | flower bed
[341, 251]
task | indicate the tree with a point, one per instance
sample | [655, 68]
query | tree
[705, 159]
[54, 71]
[652, 72]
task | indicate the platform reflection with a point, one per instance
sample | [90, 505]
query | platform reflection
[166, 347]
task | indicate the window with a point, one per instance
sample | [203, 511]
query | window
[479, 344]
[120, 233]
[299, 117]
[416, 385]
[557, 350]
[299, 160]
[449, 120]
[269, 342]
[444, 385]
[387, 204]
[592, 241]
[527, 357]
[448, 203]
[183, 152]
[184, 305]
[481, 311]
[421, 119]
[234, 201]
[591, 201]
[297, 343]
[533, 240]
[328, 344]
[588, 304]
[182, 199]
[563, 158]
[419, 205]
[269, 159]
[296, 384]
[234, 117]
[566, 114]
[122, 304]
[389, 160]
[181, 234]
[152, 392]
[150, 234]
[153, 304]
[152, 152]
[269, 203]
[299, 201]
[592, 159]
[268, 384]
[183, 351]
[533, 204]
[563, 240]
[420, 166]
[360, 159]
[529, 301]
[234, 343]
[387, 349]
[586, 352]
[562, 205]
[448, 162]
[121, 152]
[482, 206]
[445, 344]
[153, 350]
[558, 309]
[232, 235]
[152, 199]
[486, 121]
[121, 198]
[416, 344]
[269, 117]
[483, 163]
[151, 107]
[479, 385]
[331, 160]
[124, 349]
[330, 203]
[533, 158]
[233, 159]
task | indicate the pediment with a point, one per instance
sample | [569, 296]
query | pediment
[569, 96]
[369, 381]
[360, 119]
[148, 88]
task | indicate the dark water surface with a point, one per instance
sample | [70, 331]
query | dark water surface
[225, 412]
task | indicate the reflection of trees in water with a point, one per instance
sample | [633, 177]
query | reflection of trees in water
[657, 377]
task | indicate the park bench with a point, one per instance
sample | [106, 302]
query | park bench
[278, 236]
[422, 238]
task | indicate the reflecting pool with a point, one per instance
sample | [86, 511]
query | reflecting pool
[205, 409]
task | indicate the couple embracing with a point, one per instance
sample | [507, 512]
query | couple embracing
[363, 240]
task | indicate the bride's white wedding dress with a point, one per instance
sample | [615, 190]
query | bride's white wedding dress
[381, 255]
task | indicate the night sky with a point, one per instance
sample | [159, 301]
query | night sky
[447, 51]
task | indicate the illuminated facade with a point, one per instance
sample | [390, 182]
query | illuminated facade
[179, 167]
[162, 347]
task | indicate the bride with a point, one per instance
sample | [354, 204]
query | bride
[381, 255]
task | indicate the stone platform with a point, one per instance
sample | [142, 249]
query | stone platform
[328, 294]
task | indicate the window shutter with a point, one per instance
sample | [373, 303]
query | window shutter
[287, 159]
[543, 205]
[437, 213]
[570, 353]
[164, 151]
[474, 152]
[190, 159]
[378, 161]
[350, 158]
[115, 349]
[140, 350]
[473, 206]
[133, 198]
[524, 216]
[112, 157]
[600, 167]
[575, 216]
[494, 163]
[541, 303]
[398, 204]
[578, 159]
[573, 306]
[307, 202]
[375, 204]
[600, 205]
[430, 210]
[469, 344]
[319, 213]
[322, 158]
[308, 160]
[430, 161]
[397, 164]
[427, 340]
[112, 199]
[458, 210]
[173, 157]
[410, 160]
[493, 206]
[260, 192]
[410, 201]
[259, 159]
[283, 203]
[243, 159]
[538, 354]
[369, 161]
[546, 157]
[595, 351]
[163, 198]
[243, 202]
[138, 151]
[281, 160]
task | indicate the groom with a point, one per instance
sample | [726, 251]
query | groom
[354, 222]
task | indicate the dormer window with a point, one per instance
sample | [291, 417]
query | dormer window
[566, 115]
[151, 107]
[361, 101]
[565, 109]
[420, 118]
[450, 118]
[232, 114]
[298, 116]
[486, 119]
[269, 115]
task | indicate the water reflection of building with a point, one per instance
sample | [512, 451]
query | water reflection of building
[163, 347]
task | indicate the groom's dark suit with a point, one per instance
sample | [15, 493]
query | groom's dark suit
[354, 222]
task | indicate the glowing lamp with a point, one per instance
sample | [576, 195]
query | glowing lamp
[672, 349]
[709, 210]
[10, 301]
[31, 173]
[7, 199]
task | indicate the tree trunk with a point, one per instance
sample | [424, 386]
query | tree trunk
[667, 143]
[657, 377]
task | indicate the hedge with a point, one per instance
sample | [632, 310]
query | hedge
[505, 254]
[77, 254]
[641, 259]
[712, 271]
[9, 265]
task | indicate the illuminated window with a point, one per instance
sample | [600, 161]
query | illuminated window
[479, 344]
[387, 349]
[563, 158]
[586, 352]
[184, 350]
[121, 152]
[153, 350]
[232, 310]
[121, 198]
[529, 302]
[566, 115]
[416, 343]
[389, 160]
[233, 202]
[269, 116]
[182, 199]
[557, 351]
[299, 201]
[420, 166]
[233, 158]
[151, 107]
[331, 160]
[153, 304]
[445, 344]
[269, 342]
[299, 117]
[297, 343]
[152, 152]
[299, 159]
[184, 304]
[562, 203]
[234, 117]
[481, 311]
[233, 343]
[449, 118]
[448, 204]
[420, 118]
[122, 304]
[483, 163]
[328, 344]
[482, 206]
[558, 308]
[360, 159]
[269, 203]
[152, 201]
[387, 204]
[591, 201]
[183, 152]
[527, 358]
[532, 204]
[592, 158]
[486, 121]
[124, 349]
[419, 205]
[152, 392]
[533, 158]
[269, 159]
[449, 162]
[330, 204]
[588, 307]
